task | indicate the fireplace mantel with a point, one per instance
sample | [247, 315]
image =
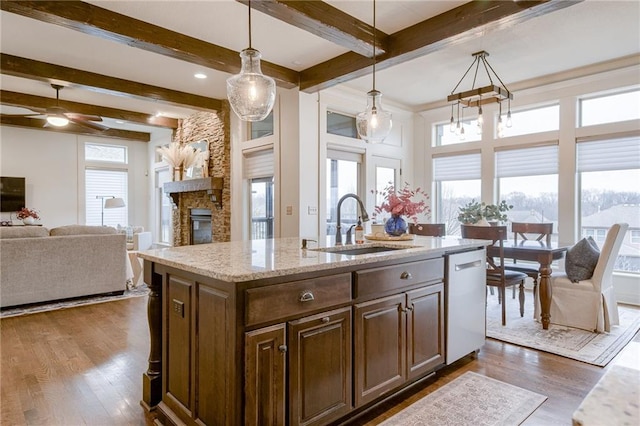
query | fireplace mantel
[213, 186]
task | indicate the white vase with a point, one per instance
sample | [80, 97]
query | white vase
[28, 220]
[482, 222]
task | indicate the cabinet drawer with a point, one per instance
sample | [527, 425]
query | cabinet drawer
[298, 297]
[388, 278]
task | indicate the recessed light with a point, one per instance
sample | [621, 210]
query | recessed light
[200, 75]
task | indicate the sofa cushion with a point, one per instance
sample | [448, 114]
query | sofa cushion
[581, 260]
[82, 230]
[7, 232]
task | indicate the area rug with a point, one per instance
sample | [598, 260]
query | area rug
[593, 348]
[140, 291]
[471, 399]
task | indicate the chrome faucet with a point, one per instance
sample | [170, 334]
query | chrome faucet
[363, 214]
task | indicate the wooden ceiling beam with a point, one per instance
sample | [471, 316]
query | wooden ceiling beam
[99, 22]
[460, 24]
[326, 21]
[31, 101]
[39, 124]
[51, 73]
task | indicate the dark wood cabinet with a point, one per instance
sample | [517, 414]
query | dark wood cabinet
[320, 368]
[397, 338]
[264, 389]
[307, 351]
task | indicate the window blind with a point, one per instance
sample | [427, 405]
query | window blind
[609, 154]
[535, 161]
[101, 182]
[258, 164]
[457, 167]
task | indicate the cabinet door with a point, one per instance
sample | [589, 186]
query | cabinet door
[380, 347]
[425, 329]
[320, 367]
[265, 353]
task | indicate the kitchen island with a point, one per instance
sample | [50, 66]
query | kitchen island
[264, 332]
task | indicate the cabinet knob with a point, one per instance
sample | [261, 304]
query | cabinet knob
[325, 320]
[410, 308]
[405, 276]
[282, 348]
[306, 296]
[403, 310]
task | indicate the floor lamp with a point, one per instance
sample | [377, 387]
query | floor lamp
[110, 202]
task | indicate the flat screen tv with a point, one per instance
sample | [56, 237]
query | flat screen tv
[12, 194]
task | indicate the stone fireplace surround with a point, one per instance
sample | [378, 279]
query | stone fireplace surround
[208, 193]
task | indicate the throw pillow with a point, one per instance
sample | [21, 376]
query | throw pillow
[581, 260]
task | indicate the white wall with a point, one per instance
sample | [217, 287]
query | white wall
[51, 164]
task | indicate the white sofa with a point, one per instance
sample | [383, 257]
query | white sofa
[37, 265]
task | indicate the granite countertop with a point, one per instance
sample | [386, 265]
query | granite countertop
[239, 261]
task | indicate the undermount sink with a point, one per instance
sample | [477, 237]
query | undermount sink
[359, 250]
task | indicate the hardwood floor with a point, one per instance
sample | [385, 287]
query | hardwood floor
[84, 365]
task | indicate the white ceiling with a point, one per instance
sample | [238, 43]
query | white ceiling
[586, 33]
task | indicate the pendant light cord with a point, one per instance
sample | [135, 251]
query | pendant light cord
[374, 44]
[249, 24]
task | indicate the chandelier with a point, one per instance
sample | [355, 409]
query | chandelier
[374, 123]
[251, 93]
[478, 96]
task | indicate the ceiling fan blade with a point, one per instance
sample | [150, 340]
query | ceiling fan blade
[35, 114]
[82, 117]
[88, 124]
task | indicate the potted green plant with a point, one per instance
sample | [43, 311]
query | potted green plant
[474, 212]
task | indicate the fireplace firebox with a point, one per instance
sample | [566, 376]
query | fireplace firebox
[200, 226]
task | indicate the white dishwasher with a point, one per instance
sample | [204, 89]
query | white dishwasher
[465, 301]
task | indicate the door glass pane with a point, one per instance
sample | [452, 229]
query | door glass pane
[385, 176]
[261, 208]
[342, 178]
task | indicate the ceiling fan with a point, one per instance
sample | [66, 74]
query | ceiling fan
[60, 117]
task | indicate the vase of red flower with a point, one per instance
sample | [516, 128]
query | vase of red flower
[401, 203]
[28, 216]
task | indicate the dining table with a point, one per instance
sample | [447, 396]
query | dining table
[544, 254]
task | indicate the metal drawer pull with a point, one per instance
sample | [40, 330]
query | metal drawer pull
[306, 296]
[282, 348]
[325, 319]
[406, 276]
[468, 265]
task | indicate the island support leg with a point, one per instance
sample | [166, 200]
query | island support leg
[152, 378]
[545, 293]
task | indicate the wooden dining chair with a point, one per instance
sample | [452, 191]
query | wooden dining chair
[497, 275]
[540, 232]
[428, 229]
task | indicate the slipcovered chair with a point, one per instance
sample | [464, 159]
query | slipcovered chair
[589, 304]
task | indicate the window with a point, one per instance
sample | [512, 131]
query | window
[261, 208]
[531, 121]
[100, 185]
[608, 174]
[259, 170]
[598, 235]
[446, 136]
[385, 176]
[260, 129]
[528, 179]
[343, 177]
[106, 176]
[341, 125]
[163, 207]
[457, 182]
[609, 108]
[635, 237]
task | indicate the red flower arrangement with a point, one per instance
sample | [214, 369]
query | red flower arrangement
[26, 212]
[401, 202]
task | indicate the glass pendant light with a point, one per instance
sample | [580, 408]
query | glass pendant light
[374, 124]
[251, 93]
